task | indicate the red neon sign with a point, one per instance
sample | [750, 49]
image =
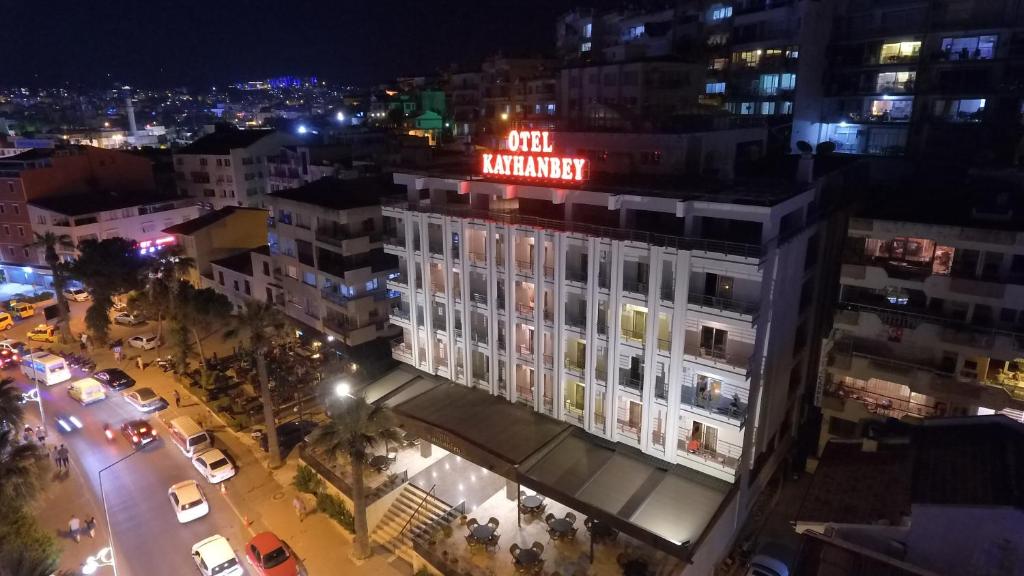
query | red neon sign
[530, 155]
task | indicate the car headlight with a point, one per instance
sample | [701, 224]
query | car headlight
[75, 421]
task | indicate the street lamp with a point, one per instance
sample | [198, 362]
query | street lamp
[343, 389]
[107, 552]
[340, 116]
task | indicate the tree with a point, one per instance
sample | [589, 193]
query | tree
[352, 432]
[50, 242]
[108, 267]
[181, 345]
[166, 274]
[11, 410]
[26, 549]
[21, 468]
[202, 311]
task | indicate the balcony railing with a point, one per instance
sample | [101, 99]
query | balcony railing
[664, 344]
[439, 323]
[574, 412]
[883, 404]
[660, 389]
[526, 351]
[402, 313]
[549, 360]
[724, 454]
[400, 348]
[634, 286]
[631, 234]
[668, 293]
[724, 304]
[477, 257]
[731, 408]
[524, 266]
[601, 373]
[524, 394]
[574, 365]
[636, 335]
[629, 380]
[549, 272]
[525, 310]
[573, 274]
[630, 429]
[479, 297]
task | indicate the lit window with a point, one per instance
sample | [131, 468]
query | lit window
[746, 108]
[895, 82]
[588, 28]
[968, 110]
[969, 48]
[372, 285]
[721, 12]
[715, 88]
[787, 82]
[551, 109]
[792, 53]
[718, 39]
[585, 47]
[892, 110]
[718, 63]
[767, 108]
[749, 58]
[634, 32]
[769, 84]
[899, 51]
[785, 107]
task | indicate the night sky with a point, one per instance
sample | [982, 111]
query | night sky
[159, 43]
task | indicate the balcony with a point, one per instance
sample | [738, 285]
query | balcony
[630, 380]
[574, 274]
[575, 321]
[637, 336]
[549, 361]
[735, 306]
[400, 278]
[574, 412]
[723, 455]
[524, 394]
[633, 286]
[629, 429]
[337, 235]
[549, 272]
[400, 313]
[881, 404]
[664, 344]
[394, 239]
[439, 323]
[660, 388]
[735, 356]
[575, 365]
[526, 351]
[401, 350]
[668, 293]
[601, 374]
[524, 266]
[731, 409]
[525, 311]
[477, 258]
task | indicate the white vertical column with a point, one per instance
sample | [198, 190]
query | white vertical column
[650, 345]
[614, 331]
[558, 246]
[681, 290]
[492, 307]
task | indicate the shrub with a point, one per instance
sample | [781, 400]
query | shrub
[244, 421]
[307, 480]
[334, 507]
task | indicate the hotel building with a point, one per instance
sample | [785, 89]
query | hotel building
[930, 318]
[671, 319]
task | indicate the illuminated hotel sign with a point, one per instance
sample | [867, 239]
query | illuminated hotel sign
[530, 155]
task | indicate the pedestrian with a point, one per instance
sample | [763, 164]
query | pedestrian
[138, 360]
[90, 526]
[300, 507]
[74, 528]
[117, 352]
[26, 435]
[177, 399]
[41, 435]
[62, 453]
[56, 458]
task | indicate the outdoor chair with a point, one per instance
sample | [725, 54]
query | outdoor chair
[492, 544]
[570, 517]
[538, 547]
[572, 533]
[549, 518]
[471, 541]
[588, 522]
[514, 550]
[493, 522]
[472, 523]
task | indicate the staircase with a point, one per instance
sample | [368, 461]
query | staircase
[414, 515]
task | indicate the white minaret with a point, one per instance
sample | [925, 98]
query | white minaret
[131, 115]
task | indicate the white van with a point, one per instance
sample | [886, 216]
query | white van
[87, 391]
[46, 368]
[188, 436]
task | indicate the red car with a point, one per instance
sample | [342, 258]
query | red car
[8, 359]
[270, 556]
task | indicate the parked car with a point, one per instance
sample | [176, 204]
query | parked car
[22, 310]
[188, 500]
[144, 399]
[214, 555]
[43, 333]
[289, 435]
[16, 346]
[144, 341]
[138, 432]
[76, 294]
[6, 321]
[214, 465]
[128, 319]
[114, 378]
[270, 556]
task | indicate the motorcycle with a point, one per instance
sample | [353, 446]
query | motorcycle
[108, 432]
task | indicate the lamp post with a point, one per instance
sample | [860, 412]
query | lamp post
[110, 532]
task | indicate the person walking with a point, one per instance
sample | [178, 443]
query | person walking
[26, 434]
[300, 507]
[138, 360]
[74, 528]
[90, 526]
[177, 399]
[117, 352]
[62, 454]
[41, 435]
[56, 458]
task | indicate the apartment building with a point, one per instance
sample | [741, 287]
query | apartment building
[930, 318]
[218, 234]
[512, 88]
[228, 167]
[41, 173]
[294, 165]
[934, 80]
[639, 314]
[325, 244]
[96, 216]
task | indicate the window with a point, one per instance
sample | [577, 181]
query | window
[892, 110]
[721, 12]
[220, 277]
[792, 53]
[21, 231]
[203, 162]
[585, 47]
[248, 289]
[235, 285]
[749, 58]
[25, 251]
[7, 230]
[767, 108]
[714, 88]
[718, 39]
[899, 52]
[718, 63]
[220, 162]
[769, 84]
[372, 285]
[786, 107]
[551, 109]
[787, 82]
[588, 29]
[633, 32]
[292, 272]
[17, 209]
[968, 110]
[746, 108]
[227, 162]
[1, 205]
[266, 268]
[309, 278]
[969, 48]
[895, 82]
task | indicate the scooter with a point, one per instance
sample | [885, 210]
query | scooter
[108, 432]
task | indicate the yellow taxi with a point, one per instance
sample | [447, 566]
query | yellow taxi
[6, 321]
[22, 310]
[43, 333]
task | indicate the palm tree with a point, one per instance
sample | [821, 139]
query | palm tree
[11, 410]
[21, 468]
[264, 325]
[352, 432]
[50, 242]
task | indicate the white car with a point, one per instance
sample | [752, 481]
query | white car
[14, 346]
[145, 399]
[76, 294]
[126, 319]
[214, 465]
[144, 341]
[188, 500]
[215, 556]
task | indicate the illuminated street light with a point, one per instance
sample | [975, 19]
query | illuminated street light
[302, 129]
[504, 116]
[342, 389]
[340, 116]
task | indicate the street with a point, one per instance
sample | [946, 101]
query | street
[140, 514]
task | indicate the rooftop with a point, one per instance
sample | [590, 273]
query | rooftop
[196, 224]
[337, 194]
[223, 141]
[242, 261]
[98, 201]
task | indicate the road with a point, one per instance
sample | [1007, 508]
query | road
[141, 518]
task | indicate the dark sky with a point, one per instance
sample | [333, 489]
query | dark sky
[159, 43]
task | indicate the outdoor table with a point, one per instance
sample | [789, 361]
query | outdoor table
[532, 502]
[482, 532]
[527, 557]
[561, 526]
[600, 530]
[379, 462]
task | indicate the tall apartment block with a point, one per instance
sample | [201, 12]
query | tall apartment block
[930, 318]
[674, 321]
[933, 80]
[327, 259]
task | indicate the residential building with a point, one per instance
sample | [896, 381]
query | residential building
[929, 79]
[54, 172]
[463, 89]
[97, 216]
[228, 167]
[233, 276]
[930, 316]
[943, 497]
[505, 84]
[325, 243]
[637, 313]
[219, 234]
[294, 165]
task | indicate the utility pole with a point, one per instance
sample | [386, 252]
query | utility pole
[268, 410]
